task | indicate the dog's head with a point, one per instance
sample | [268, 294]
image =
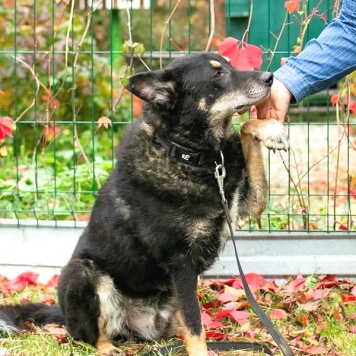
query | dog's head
[201, 92]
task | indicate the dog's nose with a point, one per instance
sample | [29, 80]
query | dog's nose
[267, 77]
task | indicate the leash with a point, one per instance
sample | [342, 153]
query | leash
[220, 174]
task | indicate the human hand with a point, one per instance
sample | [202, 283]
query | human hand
[277, 103]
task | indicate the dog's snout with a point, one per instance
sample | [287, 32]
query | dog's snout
[267, 77]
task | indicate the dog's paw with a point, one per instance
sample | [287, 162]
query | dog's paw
[273, 135]
[113, 352]
[107, 349]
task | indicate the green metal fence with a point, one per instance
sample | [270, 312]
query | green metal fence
[63, 67]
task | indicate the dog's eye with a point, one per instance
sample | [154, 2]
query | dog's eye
[217, 74]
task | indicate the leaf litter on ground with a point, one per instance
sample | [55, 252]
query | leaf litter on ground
[316, 315]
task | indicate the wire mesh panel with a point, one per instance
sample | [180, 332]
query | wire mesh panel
[63, 106]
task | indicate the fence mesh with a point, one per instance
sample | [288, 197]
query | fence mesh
[63, 68]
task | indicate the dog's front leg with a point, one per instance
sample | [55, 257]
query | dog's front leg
[185, 285]
[254, 133]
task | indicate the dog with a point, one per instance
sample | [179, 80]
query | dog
[158, 221]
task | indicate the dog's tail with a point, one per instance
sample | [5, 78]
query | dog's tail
[14, 318]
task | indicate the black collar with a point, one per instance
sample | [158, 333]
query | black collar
[186, 154]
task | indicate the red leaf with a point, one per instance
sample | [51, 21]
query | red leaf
[292, 5]
[243, 56]
[212, 305]
[335, 99]
[52, 283]
[353, 193]
[240, 316]
[320, 293]
[208, 322]
[336, 314]
[5, 129]
[322, 326]
[222, 313]
[353, 330]
[278, 314]
[215, 335]
[296, 284]
[230, 294]
[303, 319]
[316, 350]
[22, 280]
[342, 227]
[328, 281]
[58, 333]
[254, 281]
[48, 300]
[348, 298]
[352, 106]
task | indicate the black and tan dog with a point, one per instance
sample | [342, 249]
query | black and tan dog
[158, 221]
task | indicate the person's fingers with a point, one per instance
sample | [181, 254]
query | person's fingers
[277, 103]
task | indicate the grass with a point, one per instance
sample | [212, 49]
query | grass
[316, 315]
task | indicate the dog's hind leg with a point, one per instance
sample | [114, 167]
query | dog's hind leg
[87, 298]
[185, 287]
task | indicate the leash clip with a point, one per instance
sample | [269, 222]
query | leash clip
[220, 174]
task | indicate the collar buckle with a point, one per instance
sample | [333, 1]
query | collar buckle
[184, 154]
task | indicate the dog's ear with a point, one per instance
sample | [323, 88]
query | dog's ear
[156, 87]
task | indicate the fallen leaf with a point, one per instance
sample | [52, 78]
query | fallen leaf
[322, 326]
[22, 280]
[47, 300]
[230, 294]
[240, 316]
[320, 293]
[311, 306]
[328, 281]
[57, 332]
[278, 314]
[52, 283]
[215, 335]
[316, 350]
[254, 281]
[296, 284]
[209, 323]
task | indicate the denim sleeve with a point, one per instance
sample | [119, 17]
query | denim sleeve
[324, 60]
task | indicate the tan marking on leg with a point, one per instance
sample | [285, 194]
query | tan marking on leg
[195, 344]
[105, 347]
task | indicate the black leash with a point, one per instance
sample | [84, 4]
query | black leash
[213, 345]
[198, 158]
[220, 174]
